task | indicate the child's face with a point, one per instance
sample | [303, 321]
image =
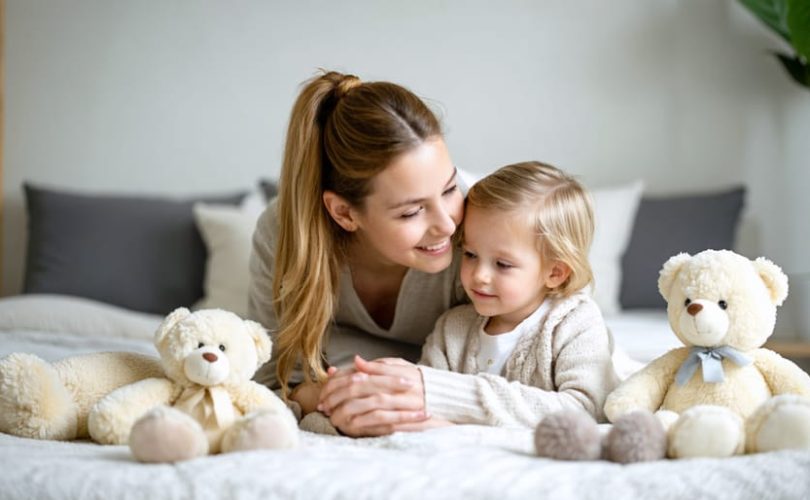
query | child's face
[501, 268]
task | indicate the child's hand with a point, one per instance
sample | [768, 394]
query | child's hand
[374, 397]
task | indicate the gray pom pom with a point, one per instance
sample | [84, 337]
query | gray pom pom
[568, 435]
[637, 436]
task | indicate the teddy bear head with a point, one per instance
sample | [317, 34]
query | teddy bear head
[717, 297]
[211, 347]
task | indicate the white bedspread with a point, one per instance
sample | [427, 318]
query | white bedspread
[458, 462]
[462, 462]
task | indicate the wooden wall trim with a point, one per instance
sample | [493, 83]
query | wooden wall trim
[2, 132]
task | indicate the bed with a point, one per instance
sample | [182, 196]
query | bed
[79, 308]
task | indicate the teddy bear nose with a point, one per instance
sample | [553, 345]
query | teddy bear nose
[693, 309]
[210, 357]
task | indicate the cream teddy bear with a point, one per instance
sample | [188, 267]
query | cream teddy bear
[723, 394]
[206, 402]
[43, 400]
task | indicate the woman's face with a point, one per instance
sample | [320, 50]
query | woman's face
[412, 212]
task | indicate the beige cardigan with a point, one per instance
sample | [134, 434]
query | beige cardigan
[565, 363]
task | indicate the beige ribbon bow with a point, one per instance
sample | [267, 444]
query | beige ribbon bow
[211, 406]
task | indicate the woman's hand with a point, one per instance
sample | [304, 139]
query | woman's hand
[376, 398]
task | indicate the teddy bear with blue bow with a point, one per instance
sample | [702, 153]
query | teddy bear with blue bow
[723, 394]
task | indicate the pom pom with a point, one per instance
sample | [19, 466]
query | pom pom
[568, 435]
[637, 436]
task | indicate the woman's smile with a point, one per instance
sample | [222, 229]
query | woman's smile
[436, 249]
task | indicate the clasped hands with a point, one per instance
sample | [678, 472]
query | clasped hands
[375, 398]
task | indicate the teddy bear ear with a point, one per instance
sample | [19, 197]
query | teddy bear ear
[264, 347]
[775, 280]
[667, 275]
[172, 319]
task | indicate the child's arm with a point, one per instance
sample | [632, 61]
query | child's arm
[582, 375]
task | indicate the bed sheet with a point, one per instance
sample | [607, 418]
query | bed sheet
[455, 462]
[467, 462]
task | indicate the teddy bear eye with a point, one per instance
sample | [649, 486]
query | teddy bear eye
[222, 347]
[687, 302]
[200, 345]
[723, 305]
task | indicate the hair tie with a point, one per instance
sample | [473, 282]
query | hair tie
[346, 84]
[340, 86]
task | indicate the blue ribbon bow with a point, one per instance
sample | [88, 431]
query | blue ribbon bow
[711, 361]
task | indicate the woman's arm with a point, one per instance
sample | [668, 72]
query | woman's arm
[366, 401]
[381, 397]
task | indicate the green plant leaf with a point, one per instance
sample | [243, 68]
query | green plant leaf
[771, 12]
[798, 22]
[796, 68]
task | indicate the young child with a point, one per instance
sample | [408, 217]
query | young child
[532, 341]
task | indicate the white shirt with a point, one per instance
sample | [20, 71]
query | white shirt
[494, 350]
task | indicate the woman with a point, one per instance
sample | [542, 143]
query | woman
[355, 255]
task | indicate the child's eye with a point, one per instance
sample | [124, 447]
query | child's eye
[504, 265]
[449, 190]
[468, 255]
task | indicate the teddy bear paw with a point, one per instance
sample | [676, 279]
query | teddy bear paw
[262, 430]
[637, 436]
[167, 435]
[34, 403]
[706, 431]
[783, 422]
[568, 435]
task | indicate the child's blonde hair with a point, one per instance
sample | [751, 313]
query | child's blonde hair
[558, 209]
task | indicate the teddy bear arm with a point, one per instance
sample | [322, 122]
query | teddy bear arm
[645, 389]
[782, 375]
[112, 417]
[251, 396]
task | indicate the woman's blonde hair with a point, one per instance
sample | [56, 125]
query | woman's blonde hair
[342, 132]
[558, 209]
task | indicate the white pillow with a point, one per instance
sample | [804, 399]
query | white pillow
[227, 232]
[615, 212]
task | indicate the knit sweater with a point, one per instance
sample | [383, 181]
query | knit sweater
[564, 363]
[423, 297]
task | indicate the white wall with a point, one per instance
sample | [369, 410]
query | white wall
[187, 96]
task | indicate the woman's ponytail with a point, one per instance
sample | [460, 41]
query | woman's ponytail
[341, 134]
[307, 262]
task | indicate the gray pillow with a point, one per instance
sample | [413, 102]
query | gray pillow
[666, 226]
[269, 188]
[140, 253]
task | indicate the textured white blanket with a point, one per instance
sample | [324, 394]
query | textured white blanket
[467, 462]
[462, 462]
